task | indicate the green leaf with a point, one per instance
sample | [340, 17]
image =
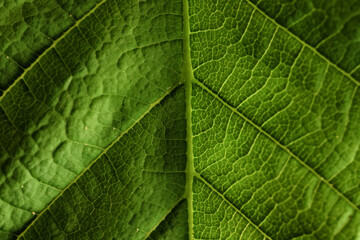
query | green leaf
[176, 119]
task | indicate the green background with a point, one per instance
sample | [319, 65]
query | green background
[171, 119]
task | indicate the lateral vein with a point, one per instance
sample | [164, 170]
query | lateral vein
[164, 217]
[232, 205]
[51, 47]
[97, 158]
[348, 75]
[233, 109]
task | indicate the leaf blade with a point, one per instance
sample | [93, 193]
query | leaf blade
[79, 97]
[134, 203]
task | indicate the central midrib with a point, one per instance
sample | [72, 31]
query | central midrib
[187, 78]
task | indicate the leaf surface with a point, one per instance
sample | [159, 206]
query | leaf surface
[180, 120]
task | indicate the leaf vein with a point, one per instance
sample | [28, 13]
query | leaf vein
[95, 160]
[51, 47]
[230, 203]
[305, 44]
[277, 143]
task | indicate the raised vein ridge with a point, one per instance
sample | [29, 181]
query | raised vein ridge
[51, 47]
[321, 178]
[348, 75]
[163, 218]
[187, 76]
[231, 205]
[97, 158]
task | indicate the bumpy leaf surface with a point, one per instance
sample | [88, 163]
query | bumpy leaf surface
[180, 119]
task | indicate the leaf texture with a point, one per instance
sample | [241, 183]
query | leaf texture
[179, 119]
